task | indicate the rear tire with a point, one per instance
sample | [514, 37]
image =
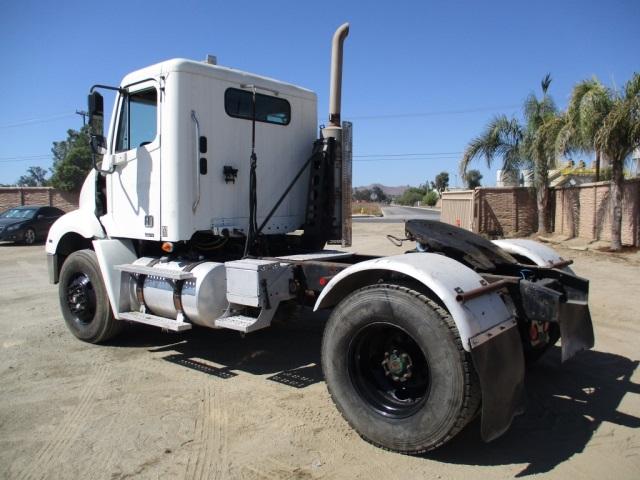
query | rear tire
[396, 370]
[83, 299]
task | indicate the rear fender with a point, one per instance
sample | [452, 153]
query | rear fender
[487, 329]
[538, 253]
[441, 275]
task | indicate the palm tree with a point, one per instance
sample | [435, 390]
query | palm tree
[543, 149]
[590, 103]
[601, 120]
[506, 138]
[617, 137]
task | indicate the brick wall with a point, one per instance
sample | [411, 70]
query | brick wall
[492, 211]
[584, 211]
[17, 196]
[505, 212]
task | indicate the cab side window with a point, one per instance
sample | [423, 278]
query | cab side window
[138, 120]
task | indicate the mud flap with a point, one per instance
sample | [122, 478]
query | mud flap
[499, 361]
[569, 310]
[576, 329]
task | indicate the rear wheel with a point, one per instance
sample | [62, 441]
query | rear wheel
[395, 368]
[83, 299]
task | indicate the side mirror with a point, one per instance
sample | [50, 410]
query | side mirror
[96, 124]
[98, 144]
[96, 113]
[40, 217]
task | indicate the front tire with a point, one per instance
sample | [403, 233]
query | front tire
[29, 236]
[396, 370]
[83, 299]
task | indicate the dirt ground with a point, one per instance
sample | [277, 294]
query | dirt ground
[211, 404]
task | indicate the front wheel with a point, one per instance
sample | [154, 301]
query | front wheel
[83, 299]
[396, 370]
[29, 236]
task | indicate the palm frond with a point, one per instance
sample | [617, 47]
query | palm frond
[589, 104]
[546, 81]
[632, 87]
[501, 138]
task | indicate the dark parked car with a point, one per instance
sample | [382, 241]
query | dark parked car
[27, 224]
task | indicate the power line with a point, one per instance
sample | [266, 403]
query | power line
[33, 121]
[434, 113]
[26, 155]
[25, 158]
[413, 159]
[365, 155]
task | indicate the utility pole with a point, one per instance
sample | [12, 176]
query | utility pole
[84, 116]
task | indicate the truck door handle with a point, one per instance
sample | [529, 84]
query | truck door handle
[197, 157]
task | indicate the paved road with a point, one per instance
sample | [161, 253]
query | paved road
[397, 214]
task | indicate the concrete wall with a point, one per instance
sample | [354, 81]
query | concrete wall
[583, 211]
[17, 196]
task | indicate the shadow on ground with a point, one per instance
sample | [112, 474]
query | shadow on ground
[565, 406]
[289, 350]
[565, 403]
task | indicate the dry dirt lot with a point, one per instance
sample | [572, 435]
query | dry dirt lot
[211, 404]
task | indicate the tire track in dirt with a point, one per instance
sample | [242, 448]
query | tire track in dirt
[108, 461]
[210, 460]
[68, 431]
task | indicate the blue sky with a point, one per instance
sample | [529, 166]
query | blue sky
[420, 77]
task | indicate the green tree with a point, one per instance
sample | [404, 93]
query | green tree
[378, 195]
[431, 198]
[71, 160]
[35, 177]
[589, 104]
[606, 122]
[411, 196]
[543, 125]
[543, 150]
[502, 137]
[362, 194]
[441, 183]
[616, 138]
[515, 144]
[472, 179]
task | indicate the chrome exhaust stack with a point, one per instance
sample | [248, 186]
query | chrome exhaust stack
[335, 93]
[340, 133]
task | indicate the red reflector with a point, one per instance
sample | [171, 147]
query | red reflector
[533, 332]
[323, 281]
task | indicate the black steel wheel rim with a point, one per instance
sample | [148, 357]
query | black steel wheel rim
[81, 298]
[389, 370]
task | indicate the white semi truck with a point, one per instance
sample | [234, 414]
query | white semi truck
[210, 204]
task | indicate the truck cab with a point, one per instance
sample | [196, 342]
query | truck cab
[178, 151]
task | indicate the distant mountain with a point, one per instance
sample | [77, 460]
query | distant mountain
[389, 191]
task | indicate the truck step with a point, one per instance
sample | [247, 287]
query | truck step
[156, 272]
[241, 323]
[162, 322]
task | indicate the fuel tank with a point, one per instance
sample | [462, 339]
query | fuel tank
[203, 297]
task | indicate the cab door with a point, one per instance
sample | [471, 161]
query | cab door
[133, 205]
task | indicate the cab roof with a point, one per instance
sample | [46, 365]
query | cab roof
[217, 71]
